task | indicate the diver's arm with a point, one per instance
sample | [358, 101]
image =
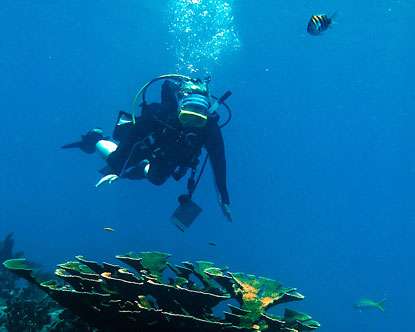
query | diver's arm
[216, 150]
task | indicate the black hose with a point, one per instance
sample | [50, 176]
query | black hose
[229, 116]
[193, 189]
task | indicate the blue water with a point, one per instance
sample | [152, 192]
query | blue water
[320, 150]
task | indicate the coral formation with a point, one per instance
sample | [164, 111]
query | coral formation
[112, 298]
[23, 307]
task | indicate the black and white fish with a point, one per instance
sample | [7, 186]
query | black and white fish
[319, 24]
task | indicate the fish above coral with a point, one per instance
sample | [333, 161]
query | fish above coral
[152, 295]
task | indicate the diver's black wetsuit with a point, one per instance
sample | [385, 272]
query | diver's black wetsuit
[171, 149]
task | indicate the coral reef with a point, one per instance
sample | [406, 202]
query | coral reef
[25, 313]
[23, 306]
[155, 295]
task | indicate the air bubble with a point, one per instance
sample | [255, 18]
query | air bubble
[203, 33]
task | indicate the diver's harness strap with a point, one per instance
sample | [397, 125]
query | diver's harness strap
[192, 182]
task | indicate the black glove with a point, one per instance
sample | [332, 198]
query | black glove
[87, 142]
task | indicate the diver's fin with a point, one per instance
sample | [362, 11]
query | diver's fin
[110, 178]
[74, 145]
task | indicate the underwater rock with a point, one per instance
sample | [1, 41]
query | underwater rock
[31, 310]
[64, 320]
[112, 298]
[26, 313]
[2, 315]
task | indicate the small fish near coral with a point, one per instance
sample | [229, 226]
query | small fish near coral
[319, 23]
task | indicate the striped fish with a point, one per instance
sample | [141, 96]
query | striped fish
[318, 24]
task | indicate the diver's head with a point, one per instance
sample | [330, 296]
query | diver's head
[194, 103]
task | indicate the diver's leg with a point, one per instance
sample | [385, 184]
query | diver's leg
[105, 148]
[158, 172]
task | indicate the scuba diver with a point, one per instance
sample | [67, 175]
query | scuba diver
[165, 140]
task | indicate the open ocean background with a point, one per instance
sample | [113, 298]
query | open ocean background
[320, 150]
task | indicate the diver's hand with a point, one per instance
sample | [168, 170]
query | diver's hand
[110, 178]
[88, 141]
[226, 211]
